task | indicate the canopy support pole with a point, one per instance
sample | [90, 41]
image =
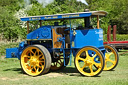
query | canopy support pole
[27, 27]
[28, 31]
[40, 23]
[98, 22]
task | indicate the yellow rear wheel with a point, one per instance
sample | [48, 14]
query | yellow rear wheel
[111, 58]
[58, 62]
[89, 61]
[35, 60]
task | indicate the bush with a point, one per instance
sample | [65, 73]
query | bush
[3, 47]
[119, 37]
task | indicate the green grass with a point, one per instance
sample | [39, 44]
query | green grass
[11, 74]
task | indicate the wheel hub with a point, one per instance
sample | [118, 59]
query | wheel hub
[88, 61]
[34, 60]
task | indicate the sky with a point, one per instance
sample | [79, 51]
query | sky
[46, 2]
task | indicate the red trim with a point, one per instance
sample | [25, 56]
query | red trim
[116, 42]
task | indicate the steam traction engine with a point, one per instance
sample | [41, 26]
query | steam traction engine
[51, 47]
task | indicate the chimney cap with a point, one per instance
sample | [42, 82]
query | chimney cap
[86, 10]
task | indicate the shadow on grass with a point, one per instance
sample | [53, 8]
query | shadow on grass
[71, 72]
[18, 70]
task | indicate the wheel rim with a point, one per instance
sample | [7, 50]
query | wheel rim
[33, 61]
[58, 63]
[92, 61]
[111, 58]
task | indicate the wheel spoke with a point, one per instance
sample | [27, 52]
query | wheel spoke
[40, 64]
[110, 54]
[28, 67]
[41, 61]
[90, 66]
[98, 65]
[84, 66]
[32, 68]
[26, 63]
[31, 51]
[38, 51]
[94, 56]
[40, 67]
[81, 59]
[35, 68]
[26, 56]
[35, 54]
[41, 57]
[30, 54]
[106, 55]
[87, 55]
[113, 62]
[105, 66]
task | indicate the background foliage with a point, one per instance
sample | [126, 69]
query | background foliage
[12, 28]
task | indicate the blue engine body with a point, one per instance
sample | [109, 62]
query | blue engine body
[88, 37]
[43, 32]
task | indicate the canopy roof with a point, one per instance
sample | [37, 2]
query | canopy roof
[65, 16]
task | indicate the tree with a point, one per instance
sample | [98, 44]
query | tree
[9, 26]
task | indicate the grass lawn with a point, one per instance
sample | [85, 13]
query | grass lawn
[11, 74]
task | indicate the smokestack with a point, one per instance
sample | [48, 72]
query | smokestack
[86, 19]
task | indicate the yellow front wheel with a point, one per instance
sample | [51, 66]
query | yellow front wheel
[89, 61]
[111, 57]
[35, 60]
